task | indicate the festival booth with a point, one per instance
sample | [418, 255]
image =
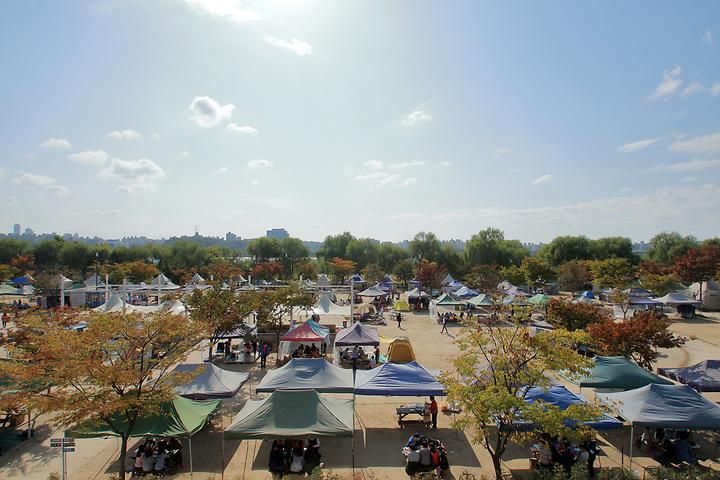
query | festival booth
[685, 306]
[418, 299]
[323, 282]
[307, 374]
[539, 300]
[293, 414]
[703, 376]
[240, 352]
[356, 280]
[562, 398]
[179, 418]
[480, 300]
[163, 283]
[447, 280]
[464, 292]
[677, 407]
[324, 306]
[211, 382]
[619, 373]
[197, 279]
[398, 379]
[387, 283]
[452, 286]
[358, 335]
[400, 350]
[444, 303]
[708, 292]
[373, 291]
[307, 333]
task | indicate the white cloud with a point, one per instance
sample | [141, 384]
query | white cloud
[133, 171]
[672, 79]
[702, 144]
[374, 164]
[500, 151]
[243, 130]
[708, 37]
[260, 163]
[690, 166]
[445, 164]
[136, 188]
[715, 89]
[124, 135]
[418, 116]
[400, 166]
[381, 179]
[89, 157]
[56, 143]
[233, 10]
[41, 181]
[635, 146]
[105, 213]
[184, 154]
[207, 112]
[296, 46]
[221, 170]
[542, 179]
[688, 179]
[408, 181]
[377, 176]
[254, 182]
[694, 87]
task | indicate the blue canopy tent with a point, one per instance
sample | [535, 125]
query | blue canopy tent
[563, 398]
[465, 292]
[703, 376]
[587, 294]
[398, 379]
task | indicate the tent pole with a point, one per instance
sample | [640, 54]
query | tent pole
[632, 441]
[222, 432]
[353, 437]
[191, 465]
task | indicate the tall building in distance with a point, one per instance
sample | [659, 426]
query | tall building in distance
[278, 233]
[16, 230]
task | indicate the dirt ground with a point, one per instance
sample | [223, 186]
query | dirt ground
[378, 440]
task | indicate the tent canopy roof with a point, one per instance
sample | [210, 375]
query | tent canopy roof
[373, 291]
[310, 331]
[446, 300]
[668, 406]
[480, 300]
[308, 373]
[293, 414]
[703, 376]
[397, 379]
[619, 372]
[179, 417]
[415, 293]
[465, 292]
[677, 299]
[539, 299]
[357, 334]
[212, 382]
[563, 398]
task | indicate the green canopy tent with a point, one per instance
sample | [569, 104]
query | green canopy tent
[621, 373]
[179, 417]
[539, 299]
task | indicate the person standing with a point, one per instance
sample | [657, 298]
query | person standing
[399, 319]
[444, 324]
[377, 355]
[5, 318]
[263, 354]
[354, 356]
[433, 411]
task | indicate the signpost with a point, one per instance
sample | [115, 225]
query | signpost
[67, 445]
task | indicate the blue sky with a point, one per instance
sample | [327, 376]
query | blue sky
[129, 117]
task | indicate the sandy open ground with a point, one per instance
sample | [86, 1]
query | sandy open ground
[378, 438]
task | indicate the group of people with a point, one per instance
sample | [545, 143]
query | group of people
[668, 447]
[307, 351]
[294, 456]
[547, 454]
[157, 457]
[358, 355]
[424, 454]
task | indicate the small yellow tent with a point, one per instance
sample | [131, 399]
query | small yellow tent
[401, 306]
[401, 351]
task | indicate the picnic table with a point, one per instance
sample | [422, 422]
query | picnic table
[418, 409]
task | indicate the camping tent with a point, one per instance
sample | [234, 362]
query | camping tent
[587, 294]
[703, 376]
[465, 292]
[415, 294]
[539, 299]
[665, 406]
[357, 334]
[563, 398]
[394, 379]
[212, 382]
[179, 417]
[299, 414]
[401, 306]
[323, 281]
[619, 372]
[445, 300]
[197, 279]
[453, 286]
[355, 279]
[481, 300]
[305, 374]
[400, 350]
[161, 282]
[447, 280]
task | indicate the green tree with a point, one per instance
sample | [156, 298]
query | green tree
[362, 251]
[491, 397]
[372, 273]
[47, 253]
[574, 316]
[264, 249]
[574, 276]
[113, 373]
[565, 249]
[613, 273]
[513, 274]
[77, 257]
[666, 247]
[425, 246]
[489, 247]
[340, 269]
[537, 271]
[661, 284]
[483, 278]
[404, 271]
[293, 250]
[335, 246]
[430, 274]
[7, 272]
[11, 248]
[273, 305]
[389, 255]
[612, 247]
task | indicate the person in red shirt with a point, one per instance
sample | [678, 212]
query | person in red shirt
[433, 411]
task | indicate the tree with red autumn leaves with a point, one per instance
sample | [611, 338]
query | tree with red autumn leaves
[430, 274]
[699, 265]
[638, 337]
[341, 268]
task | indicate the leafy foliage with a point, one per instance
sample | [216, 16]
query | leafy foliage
[612, 273]
[483, 278]
[574, 316]
[637, 338]
[341, 269]
[669, 246]
[489, 247]
[430, 274]
[574, 276]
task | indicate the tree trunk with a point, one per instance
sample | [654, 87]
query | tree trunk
[497, 466]
[123, 456]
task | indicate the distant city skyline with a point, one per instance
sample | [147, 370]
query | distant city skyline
[145, 119]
